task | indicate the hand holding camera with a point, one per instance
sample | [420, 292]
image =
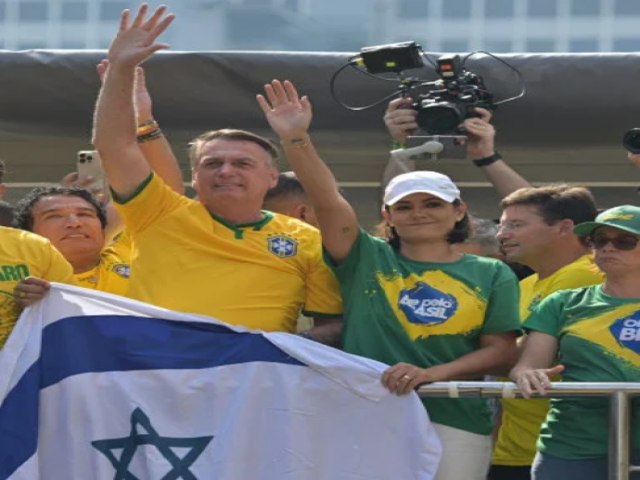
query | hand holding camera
[447, 110]
[400, 119]
[634, 158]
[481, 134]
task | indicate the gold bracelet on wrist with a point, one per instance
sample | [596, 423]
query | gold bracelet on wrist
[146, 127]
[150, 135]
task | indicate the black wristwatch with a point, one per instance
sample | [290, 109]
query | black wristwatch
[483, 162]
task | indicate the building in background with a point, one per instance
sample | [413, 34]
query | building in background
[498, 26]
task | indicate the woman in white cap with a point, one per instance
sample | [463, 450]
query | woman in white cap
[595, 333]
[413, 302]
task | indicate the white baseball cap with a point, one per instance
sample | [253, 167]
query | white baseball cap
[434, 183]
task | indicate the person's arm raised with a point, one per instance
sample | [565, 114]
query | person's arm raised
[290, 117]
[400, 120]
[481, 149]
[153, 144]
[115, 120]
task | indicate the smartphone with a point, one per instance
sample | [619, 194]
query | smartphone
[90, 165]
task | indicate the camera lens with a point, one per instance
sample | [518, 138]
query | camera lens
[439, 118]
[631, 140]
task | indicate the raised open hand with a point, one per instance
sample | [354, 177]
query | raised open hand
[288, 115]
[142, 99]
[136, 41]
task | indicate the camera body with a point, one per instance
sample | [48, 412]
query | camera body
[452, 98]
[631, 140]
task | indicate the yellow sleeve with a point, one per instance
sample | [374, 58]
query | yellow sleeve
[121, 246]
[322, 291]
[584, 274]
[152, 201]
[59, 270]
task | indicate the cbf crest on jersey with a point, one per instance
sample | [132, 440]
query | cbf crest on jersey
[627, 331]
[282, 246]
[122, 269]
[427, 305]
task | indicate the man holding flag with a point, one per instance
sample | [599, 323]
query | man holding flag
[24, 254]
[97, 386]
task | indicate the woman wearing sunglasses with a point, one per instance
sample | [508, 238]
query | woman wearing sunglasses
[594, 333]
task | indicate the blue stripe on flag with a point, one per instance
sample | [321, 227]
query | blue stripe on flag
[122, 342]
[105, 343]
[19, 422]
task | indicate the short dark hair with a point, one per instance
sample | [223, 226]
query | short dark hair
[556, 202]
[288, 186]
[458, 234]
[7, 214]
[24, 214]
[195, 146]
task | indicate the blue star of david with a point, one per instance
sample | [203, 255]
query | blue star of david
[129, 445]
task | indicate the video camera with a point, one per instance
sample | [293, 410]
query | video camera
[443, 104]
[631, 140]
[447, 101]
[454, 98]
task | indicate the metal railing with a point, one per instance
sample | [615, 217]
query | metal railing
[619, 399]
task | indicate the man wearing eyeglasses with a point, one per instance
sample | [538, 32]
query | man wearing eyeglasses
[536, 230]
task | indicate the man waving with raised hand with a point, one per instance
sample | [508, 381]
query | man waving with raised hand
[220, 255]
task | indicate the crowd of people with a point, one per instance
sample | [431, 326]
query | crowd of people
[551, 291]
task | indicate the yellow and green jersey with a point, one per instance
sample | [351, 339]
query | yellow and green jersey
[426, 314]
[113, 271]
[599, 341]
[24, 254]
[521, 419]
[260, 275]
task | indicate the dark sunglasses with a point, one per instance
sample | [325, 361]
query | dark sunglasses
[621, 242]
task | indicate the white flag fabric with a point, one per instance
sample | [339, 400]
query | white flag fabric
[95, 386]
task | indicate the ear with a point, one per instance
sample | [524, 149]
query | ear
[194, 178]
[565, 227]
[3, 190]
[299, 212]
[387, 216]
[273, 174]
[461, 211]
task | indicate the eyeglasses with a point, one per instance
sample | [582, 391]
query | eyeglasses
[621, 242]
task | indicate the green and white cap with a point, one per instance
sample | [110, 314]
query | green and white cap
[624, 217]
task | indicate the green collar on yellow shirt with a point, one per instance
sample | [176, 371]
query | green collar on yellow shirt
[238, 229]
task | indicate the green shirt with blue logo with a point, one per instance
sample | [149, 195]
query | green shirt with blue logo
[426, 314]
[599, 341]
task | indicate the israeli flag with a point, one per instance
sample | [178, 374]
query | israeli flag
[95, 386]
